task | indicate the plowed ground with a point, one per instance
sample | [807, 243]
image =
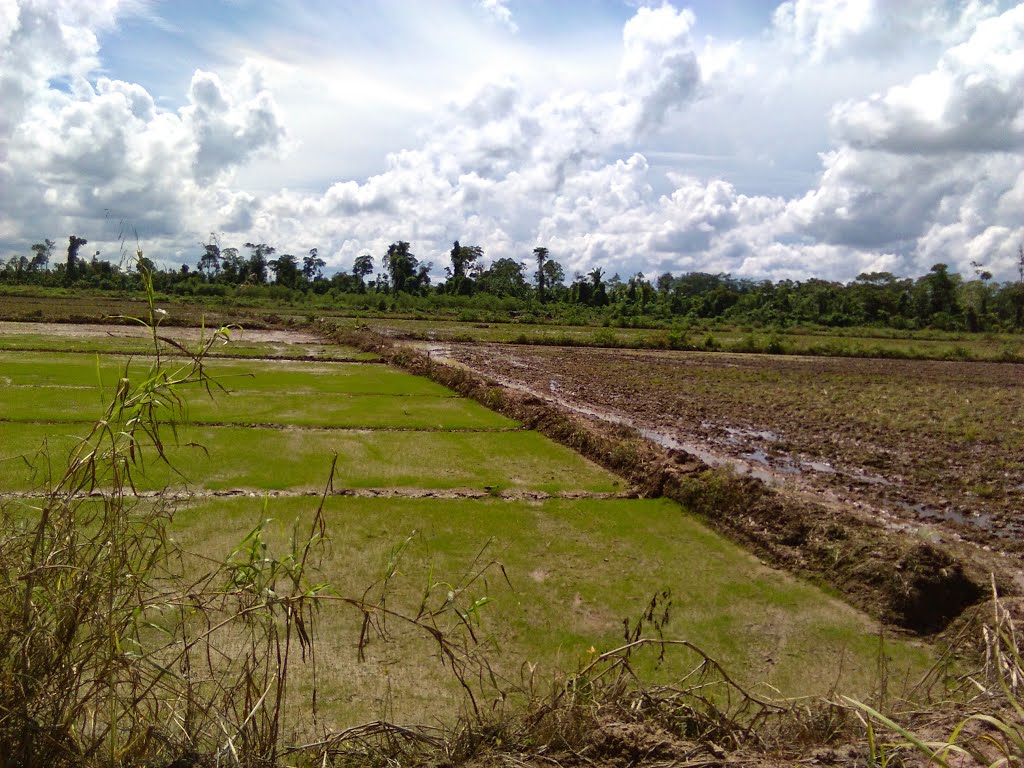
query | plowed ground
[933, 447]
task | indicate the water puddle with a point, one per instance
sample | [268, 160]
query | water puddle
[738, 434]
[756, 464]
[1004, 529]
[759, 456]
[819, 466]
[783, 463]
[948, 515]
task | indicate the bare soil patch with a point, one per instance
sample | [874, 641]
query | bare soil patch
[936, 447]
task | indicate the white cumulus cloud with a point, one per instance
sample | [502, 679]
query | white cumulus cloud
[932, 167]
[897, 130]
[499, 10]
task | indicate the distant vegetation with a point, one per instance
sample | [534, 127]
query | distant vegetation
[398, 280]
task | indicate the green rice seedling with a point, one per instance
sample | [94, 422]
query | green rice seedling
[26, 404]
[223, 458]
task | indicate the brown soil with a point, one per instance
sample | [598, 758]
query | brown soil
[809, 426]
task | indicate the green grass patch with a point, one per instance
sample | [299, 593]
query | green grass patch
[222, 458]
[286, 409]
[72, 370]
[576, 569]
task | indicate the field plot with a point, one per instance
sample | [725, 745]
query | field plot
[579, 556]
[576, 568]
[264, 459]
[129, 339]
[936, 443]
[855, 342]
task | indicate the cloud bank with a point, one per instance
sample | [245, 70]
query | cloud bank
[910, 157]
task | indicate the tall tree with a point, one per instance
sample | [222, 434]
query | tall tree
[286, 270]
[464, 259]
[401, 266]
[75, 243]
[465, 264]
[421, 280]
[17, 266]
[554, 278]
[599, 297]
[256, 267]
[43, 253]
[232, 267]
[975, 295]
[312, 266]
[937, 293]
[664, 284]
[541, 254]
[505, 278]
[209, 262]
[458, 265]
[361, 267]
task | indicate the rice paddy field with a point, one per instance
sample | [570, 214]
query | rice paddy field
[440, 496]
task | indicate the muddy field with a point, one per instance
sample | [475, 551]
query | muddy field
[932, 447]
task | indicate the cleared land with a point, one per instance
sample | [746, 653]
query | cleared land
[576, 566]
[935, 445]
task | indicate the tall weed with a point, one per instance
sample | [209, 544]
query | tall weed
[991, 735]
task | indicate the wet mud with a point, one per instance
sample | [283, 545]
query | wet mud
[747, 412]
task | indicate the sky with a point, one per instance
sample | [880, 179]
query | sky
[768, 140]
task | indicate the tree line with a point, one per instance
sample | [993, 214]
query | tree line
[939, 299]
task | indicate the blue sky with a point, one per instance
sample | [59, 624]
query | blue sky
[765, 139]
